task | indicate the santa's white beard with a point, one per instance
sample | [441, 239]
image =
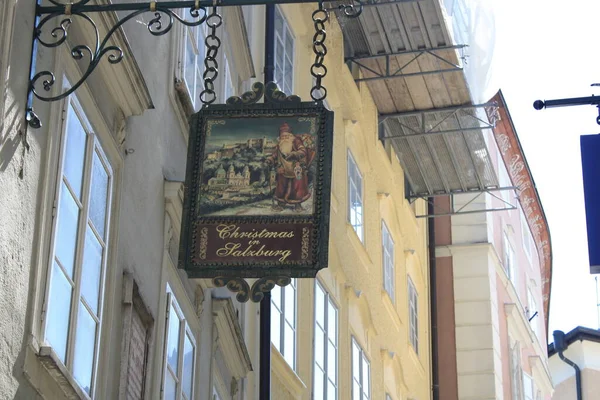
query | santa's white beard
[286, 145]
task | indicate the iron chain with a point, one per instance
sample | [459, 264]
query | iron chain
[318, 70]
[211, 70]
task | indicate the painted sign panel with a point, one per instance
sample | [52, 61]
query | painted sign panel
[257, 190]
[590, 150]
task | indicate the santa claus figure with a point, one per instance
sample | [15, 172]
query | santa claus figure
[291, 159]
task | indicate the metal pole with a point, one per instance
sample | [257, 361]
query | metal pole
[435, 369]
[265, 303]
[574, 101]
[265, 348]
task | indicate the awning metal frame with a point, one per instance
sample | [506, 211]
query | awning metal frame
[491, 107]
[424, 131]
[445, 212]
[398, 73]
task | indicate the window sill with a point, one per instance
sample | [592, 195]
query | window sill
[359, 245]
[286, 374]
[391, 309]
[48, 375]
[416, 360]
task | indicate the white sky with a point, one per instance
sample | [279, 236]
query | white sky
[550, 49]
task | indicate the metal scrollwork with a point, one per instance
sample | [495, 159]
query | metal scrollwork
[352, 10]
[318, 70]
[76, 3]
[251, 97]
[266, 284]
[43, 81]
[211, 71]
[258, 290]
[236, 285]
[274, 95]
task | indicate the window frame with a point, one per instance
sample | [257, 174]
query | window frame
[526, 236]
[328, 300]
[533, 321]
[94, 145]
[388, 264]
[283, 322]
[528, 379]
[359, 227]
[509, 258]
[171, 300]
[413, 311]
[515, 370]
[181, 59]
[363, 358]
[226, 68]
[282, 37]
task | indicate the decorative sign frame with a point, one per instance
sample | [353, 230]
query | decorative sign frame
[257, 190]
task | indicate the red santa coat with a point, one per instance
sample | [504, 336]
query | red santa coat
[292, 160]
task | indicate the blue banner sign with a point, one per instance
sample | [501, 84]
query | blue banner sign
[590, 160]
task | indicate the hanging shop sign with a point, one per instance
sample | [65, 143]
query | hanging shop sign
[590, 146]
[257, 188]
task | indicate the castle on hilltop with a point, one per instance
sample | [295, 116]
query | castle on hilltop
[261, 145]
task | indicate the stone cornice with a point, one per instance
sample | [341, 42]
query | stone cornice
[124, 80]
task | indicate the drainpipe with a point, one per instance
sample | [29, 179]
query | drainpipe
[560, 346]
[435, 380]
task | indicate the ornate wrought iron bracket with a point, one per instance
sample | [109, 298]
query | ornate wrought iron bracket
[254, 293]
[163, 17]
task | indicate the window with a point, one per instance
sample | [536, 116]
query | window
[389, 276]
[516, 372]
[504, 179]
[509, 260]
[326, 346]
[528, 387]
[73, 312]
[532, 313]
[180, 353]
[138, 325]
[413, 315]
[283, 321]
[526, 235]
[228, 86]
[355, 202]
[361, 373]
[284, 54]
[192, 63]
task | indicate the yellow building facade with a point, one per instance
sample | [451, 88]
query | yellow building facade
[376, 321]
